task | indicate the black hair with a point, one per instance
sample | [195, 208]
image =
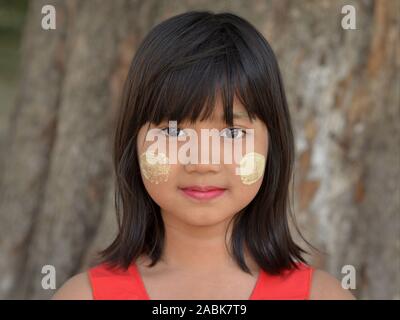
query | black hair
[176, 73]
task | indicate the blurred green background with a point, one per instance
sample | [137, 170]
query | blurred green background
[12, 16]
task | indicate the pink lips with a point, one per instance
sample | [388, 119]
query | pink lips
[203, 193]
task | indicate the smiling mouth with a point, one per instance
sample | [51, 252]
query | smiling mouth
[203, 192]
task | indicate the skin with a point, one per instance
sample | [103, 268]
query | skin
[195, 253]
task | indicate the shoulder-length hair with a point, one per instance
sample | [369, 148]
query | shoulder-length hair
[176, 73]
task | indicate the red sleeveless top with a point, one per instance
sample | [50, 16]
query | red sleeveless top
[118, 284]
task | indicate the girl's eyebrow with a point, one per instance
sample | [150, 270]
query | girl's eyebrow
[241, 115]
[236, 115]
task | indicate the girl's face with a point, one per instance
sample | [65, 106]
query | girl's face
[172, 184]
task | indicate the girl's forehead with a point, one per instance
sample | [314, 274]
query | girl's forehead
[239, 112]
[237, 109]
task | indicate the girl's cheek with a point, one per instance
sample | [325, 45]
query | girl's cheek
[154, 168]
[251, 167]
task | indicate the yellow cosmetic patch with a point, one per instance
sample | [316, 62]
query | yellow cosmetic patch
[155, 168]
[252, 167]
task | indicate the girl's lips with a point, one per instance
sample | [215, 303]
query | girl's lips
[203, 193]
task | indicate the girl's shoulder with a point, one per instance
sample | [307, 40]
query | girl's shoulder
[324, 286]
[304, 282]
[320, 284]
[75, 288]
[97, 282]
[116, 283]
[290, 284]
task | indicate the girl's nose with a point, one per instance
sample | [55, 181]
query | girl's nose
[208, 160]
[202, 167]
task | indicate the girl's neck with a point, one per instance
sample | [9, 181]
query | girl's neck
[199, 249]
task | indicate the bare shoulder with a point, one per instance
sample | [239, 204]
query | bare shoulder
[326, 287]
[75, 288]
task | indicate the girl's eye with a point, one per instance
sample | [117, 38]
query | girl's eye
[173, 131]
[233, 133]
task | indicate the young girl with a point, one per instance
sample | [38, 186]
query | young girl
[203, 229]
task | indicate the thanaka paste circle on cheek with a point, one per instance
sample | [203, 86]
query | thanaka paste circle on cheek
[155, 168]
[252, 167]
